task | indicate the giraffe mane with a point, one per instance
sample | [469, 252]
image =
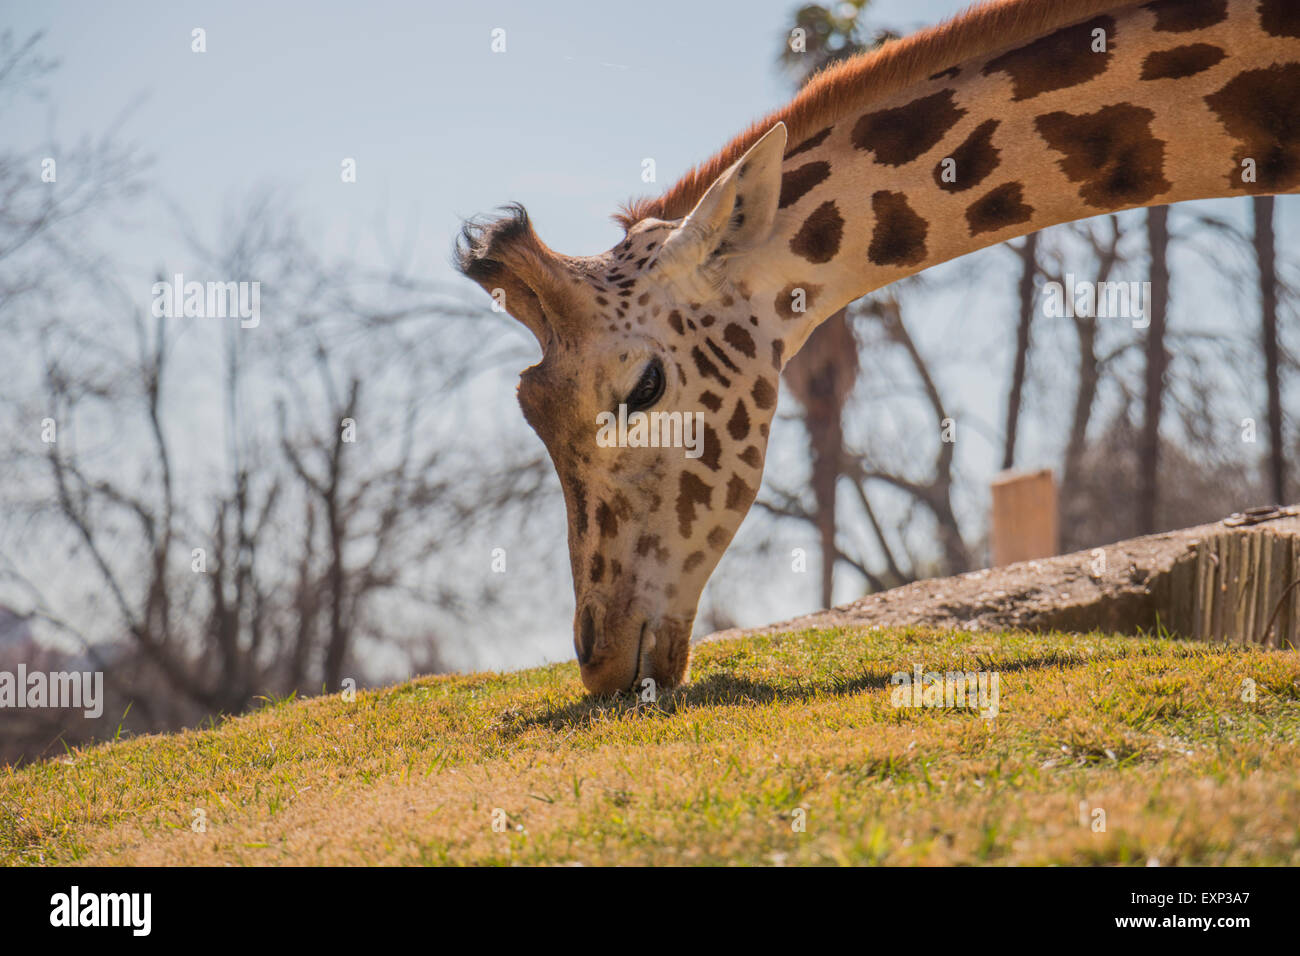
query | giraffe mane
[868, 77]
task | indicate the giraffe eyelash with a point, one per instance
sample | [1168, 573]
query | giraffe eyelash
[649, 388]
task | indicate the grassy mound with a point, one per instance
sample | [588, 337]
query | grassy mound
[783, 749]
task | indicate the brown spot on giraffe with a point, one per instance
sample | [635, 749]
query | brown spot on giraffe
[1057, 61]
[1002, 207]
[722, 355]
[796, 183]
[693, 561]
[1280, 18]
[785, 301]
[738, 425]
[778, 349]
[1111, 152]
[711, 450]
[675, 322]
[975, 159]
[710, 401]
[577, 493]
[1261, 110]
[898, 238]
[738, 337]
[739, 495]
[901, 134]
[764, 393]
[648, 544]
[691, 492]
[718, 538]
[818, 239]
[606, 520]
[947, 74]
[812, 142]
[1181, 61]
[1184, 16]
[752, 456]
[707, 369]
[597, 568]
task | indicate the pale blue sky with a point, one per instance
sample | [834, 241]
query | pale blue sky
[440, 126]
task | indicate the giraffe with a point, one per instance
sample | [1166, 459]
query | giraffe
[1014, 116]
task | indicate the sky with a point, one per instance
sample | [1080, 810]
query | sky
[439, 125]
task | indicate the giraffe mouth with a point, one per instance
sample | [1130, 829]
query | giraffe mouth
[654, 648]
[644, 661]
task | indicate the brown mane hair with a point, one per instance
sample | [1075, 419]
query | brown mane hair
[984, 28]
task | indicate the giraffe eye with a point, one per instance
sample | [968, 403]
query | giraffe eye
[649, 389]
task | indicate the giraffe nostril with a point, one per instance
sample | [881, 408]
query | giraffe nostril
[586, 635]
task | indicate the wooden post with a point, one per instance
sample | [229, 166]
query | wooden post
[1025, 522]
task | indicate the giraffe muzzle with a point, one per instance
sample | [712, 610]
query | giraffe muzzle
[619, 652]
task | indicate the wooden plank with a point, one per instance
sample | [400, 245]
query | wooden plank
[1289, 636]
[1249, 585]
[1274, 571]
[1269, 591]
[1204, 582]
[1219, 587]
[1287, 630]
[1178, 595]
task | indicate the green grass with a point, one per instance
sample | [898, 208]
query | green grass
[771, 731]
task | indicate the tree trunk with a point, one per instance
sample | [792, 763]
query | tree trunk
[1074, 512]
[1029, 253]
[1265, 254]
[1157, 361]
[821, 376]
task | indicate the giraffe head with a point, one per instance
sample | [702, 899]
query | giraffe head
[665, 333]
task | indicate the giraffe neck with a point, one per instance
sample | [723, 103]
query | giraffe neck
[1139, 104]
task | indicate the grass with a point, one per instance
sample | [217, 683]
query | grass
[771, 733]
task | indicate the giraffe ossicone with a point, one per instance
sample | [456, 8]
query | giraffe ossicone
[1018, 115]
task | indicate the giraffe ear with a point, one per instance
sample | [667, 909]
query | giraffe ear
[737, 212]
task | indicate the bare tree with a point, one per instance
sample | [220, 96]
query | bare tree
[934, 493]
[1027, 251]
[1102, 238]
[1157, 363]
[1266, 258]
[262, 565]
[822, 377]
[888, 558]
